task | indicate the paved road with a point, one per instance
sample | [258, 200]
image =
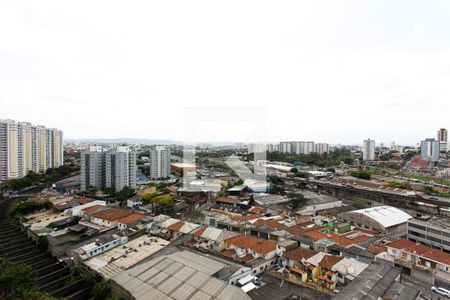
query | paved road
[273, 291]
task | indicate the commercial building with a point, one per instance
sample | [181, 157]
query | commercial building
[25, 148]
[115, 168]
[386, 219]
[434, 232]
[160, 162]
[369, 150]
[430, 149]
[180, 275]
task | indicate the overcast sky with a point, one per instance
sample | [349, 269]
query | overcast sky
[337, 71]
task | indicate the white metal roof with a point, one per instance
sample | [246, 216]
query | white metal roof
[349, 266]
[387, 216]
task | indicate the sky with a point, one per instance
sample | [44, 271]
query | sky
[327, 71]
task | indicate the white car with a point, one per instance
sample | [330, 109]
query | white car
[441, 291]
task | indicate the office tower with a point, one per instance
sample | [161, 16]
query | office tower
[369, 150]
[101, 168]
[393, 147]
[442, 137]
[322, 148]
[430, 149]
[159, 162]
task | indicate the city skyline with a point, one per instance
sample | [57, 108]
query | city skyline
[317, 75]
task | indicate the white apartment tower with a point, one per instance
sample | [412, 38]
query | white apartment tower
[25, 148]
[369, 150]
[322, 148]
[160, 162]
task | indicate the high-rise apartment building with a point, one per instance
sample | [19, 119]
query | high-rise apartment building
[285, 147]
[160, 162]
[24, 148]
[322, 148]
[369, 150]
[302, 147]
[430, 149]
[442, 136]
[114, 168]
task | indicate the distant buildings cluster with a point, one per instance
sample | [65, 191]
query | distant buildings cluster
[299, 147]
[25, 147]
[431, 148]
[108, 168]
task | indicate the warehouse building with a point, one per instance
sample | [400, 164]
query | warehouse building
[386, 219]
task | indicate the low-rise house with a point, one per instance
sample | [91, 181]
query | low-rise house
[212, 239]
[109, 217]
[420, 261]
[313, 264]
[89, 211]
[348, 269]
[129, 221]
[78, 210]
[297, 257]
[246, 246]
[98, 247]
[181, 227]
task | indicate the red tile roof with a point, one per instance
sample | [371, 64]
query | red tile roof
[131, 218]
[256, 209]
[199, 232]
[376, 248]
[246, 258]
[329, 261]
[255, 244]
[342, 239]
[228, 253]
[112, 214]
[176, 226]
[247, 218]
[274, 224]
[437, 255]
[300, 253]
[93, 208]
[400, 244]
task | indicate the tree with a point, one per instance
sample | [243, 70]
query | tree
[17, 281]
[361, 174]
[124, 194]
[358, 204]
[297, 199]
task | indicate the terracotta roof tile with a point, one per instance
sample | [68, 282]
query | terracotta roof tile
[329, 261]
[300, 253]
[255, 244]
[93, 208]
[112, 214]
[131, 218]
[437, 255]
[228, 253]
[199, 232]
[176, 226]
[376, 248]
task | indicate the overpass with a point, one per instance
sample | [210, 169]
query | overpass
[352, 192]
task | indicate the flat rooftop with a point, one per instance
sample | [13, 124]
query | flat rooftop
[125, 256]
